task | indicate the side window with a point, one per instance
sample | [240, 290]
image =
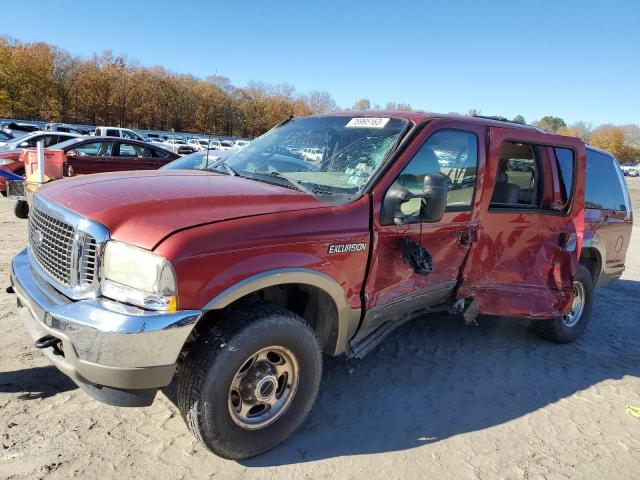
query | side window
[603, 187]
[112, 133]
[33, 142]
[454, 154]
[160, 153]
[132, 150]
[50, 140]
[95, 149]
[519, 179]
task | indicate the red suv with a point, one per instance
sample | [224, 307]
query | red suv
[240, 277]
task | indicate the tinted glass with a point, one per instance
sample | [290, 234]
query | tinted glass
[132, 150]
[449, 152]
[94, 149]
[603, 189]
[112, 133]
[565, 162]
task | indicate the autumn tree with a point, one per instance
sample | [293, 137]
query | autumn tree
[612, 139]
[582, 130]
[362, 104]
[550, 123]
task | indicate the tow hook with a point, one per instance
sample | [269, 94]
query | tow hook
[50, 341]
[10, 289]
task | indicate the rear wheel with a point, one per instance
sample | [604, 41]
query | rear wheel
[569, 327]
[251, 381]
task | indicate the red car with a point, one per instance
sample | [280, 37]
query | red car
[241, 277]
[98, 155]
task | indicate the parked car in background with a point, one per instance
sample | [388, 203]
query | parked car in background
[198, 143]
[61, 127]
[5, 137]
[29, 141]
[227, 145]
[202, 160]
[178, 146]
[19, 127]
[118, 132]
[241, 143]
[630, 169]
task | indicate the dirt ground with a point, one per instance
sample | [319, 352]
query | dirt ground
[436, 400]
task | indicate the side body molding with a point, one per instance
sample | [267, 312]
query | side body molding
[348, 318]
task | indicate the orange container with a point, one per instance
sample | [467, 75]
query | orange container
[53, 164]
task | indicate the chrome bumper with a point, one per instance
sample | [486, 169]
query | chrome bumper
[105, 343]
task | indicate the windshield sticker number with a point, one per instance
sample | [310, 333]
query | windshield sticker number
[367, 122]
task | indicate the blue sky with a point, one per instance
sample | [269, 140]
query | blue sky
[576, 59]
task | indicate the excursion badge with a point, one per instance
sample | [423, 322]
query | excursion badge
[346, 248]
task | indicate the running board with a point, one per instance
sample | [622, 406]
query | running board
[371, 341]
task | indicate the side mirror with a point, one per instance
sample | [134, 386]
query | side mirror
[435, 197]
[433, 204]
[23, 144]
[72, 154]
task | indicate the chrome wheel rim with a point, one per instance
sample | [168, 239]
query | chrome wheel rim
[263, 387]
[577, 307]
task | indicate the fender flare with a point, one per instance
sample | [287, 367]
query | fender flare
[348, 318]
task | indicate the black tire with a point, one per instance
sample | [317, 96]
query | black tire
[21, 209]
[557, 329]
[205, 378]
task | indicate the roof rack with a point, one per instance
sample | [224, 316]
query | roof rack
[498, 118]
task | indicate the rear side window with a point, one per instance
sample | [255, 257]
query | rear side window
[603, 188]
[113, 133]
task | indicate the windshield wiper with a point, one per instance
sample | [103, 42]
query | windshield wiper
[230, 170]
[297, 185]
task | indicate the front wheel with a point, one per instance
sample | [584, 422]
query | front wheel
[250, 382]
[569, 327]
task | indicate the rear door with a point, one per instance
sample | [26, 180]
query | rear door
[525, 251]
[133, 156]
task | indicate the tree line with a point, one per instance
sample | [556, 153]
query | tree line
[44, 82]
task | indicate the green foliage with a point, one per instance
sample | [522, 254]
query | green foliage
[519, 119]
[550, 123]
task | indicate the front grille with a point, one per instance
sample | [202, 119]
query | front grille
[66, 248]
[51, 242]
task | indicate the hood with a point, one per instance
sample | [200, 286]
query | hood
[142, 208]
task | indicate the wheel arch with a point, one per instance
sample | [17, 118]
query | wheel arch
[591, 257]
[313, 295]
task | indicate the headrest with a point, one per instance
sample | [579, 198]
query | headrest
[502, 177]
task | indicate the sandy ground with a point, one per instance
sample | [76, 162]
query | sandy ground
[436, 400]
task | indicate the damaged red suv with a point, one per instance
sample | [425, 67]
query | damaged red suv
[239, 277]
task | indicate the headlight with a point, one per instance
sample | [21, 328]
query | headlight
[140, 277]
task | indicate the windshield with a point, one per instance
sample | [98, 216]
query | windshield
[68, 143]
[328, 155]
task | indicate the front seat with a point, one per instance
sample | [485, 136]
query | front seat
[505, 193]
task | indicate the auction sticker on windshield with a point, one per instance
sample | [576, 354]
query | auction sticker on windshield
[367, 122]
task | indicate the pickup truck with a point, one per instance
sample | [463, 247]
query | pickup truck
[237, 279]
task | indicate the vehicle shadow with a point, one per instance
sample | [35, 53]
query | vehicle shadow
[35, 383]
[435, 378]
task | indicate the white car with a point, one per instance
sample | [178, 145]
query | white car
[198, 144]
[241, 143]
[178, 146]
[227, 145]
[118, 132]
[31, 140]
